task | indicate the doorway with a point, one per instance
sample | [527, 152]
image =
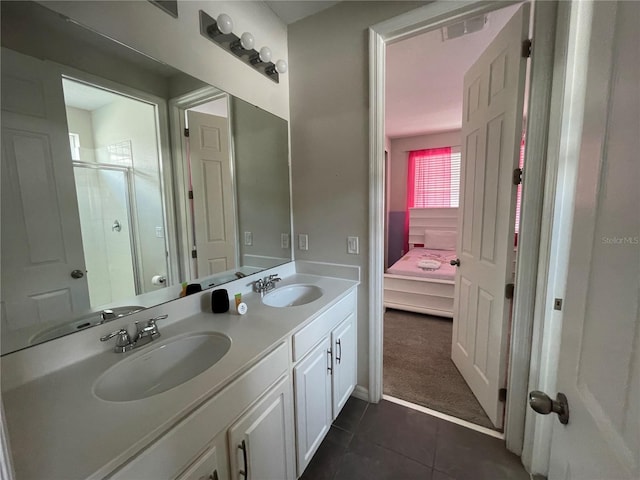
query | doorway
[116, 165]
[406, 26]
[426, 89]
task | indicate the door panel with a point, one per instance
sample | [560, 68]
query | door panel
[264, 437]
[214, 212]
[41, 239]
[344, 364]
[599, 363]
[313, 401]
[491, 132]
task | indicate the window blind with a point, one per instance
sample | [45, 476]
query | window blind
[434, 178]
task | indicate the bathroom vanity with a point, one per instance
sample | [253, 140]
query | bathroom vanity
[260, 411]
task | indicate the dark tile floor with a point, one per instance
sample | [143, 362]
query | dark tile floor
[391, 442]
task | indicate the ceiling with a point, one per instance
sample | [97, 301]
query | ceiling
[292, 11]
[424, 78]
[86, 97]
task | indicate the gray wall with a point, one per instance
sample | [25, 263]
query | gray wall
[329, 110]
[262, 180]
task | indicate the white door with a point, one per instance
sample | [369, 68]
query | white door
[344, 362]
[213, 208]
[599, 364]
[491, 132]
[41, 237]
[261, 442]
[312, 377]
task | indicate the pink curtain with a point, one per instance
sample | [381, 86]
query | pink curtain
[428, 181]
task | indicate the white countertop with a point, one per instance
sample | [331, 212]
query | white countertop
[59, 429]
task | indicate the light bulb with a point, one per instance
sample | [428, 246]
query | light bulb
[265, 54]
[247, 41]
[281, 66]
[225, 24]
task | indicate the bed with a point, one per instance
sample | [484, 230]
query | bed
[410, 284]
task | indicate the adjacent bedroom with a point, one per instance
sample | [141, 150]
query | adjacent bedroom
[425, 190]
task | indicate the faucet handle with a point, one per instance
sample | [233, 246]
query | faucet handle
[122, 333]
[274, 277]
[123, 342]
[152, 321]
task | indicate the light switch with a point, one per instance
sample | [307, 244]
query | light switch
[284, 240]
[303, 241]
[353, 245]
[248, 238]
[159, 232]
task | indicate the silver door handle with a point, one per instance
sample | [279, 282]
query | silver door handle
[541, 403]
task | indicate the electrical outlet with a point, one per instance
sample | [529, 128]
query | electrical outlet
[353, 245]
[248, 238]
[159, 232]
[284, 240]
[303, 241]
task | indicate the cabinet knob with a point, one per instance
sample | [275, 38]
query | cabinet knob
[213, 476]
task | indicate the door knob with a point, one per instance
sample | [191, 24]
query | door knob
[543, 404]
[455, 263]
[77, 274]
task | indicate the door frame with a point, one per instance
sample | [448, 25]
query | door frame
[177, 109]
[414, 23]
[164, 155]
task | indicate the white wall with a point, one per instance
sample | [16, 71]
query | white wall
[400, 148]
[177, 42]
[124, 120]
[328, 55]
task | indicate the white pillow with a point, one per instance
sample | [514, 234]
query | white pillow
[440, 239]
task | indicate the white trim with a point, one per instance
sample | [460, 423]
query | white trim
[398, 28]
[539, 106]
[444, 416]
[6, 463]
[361, 393]
[565, 129]
[376, 210]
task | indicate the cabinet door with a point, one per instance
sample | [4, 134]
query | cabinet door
[261, 441]
[312, 377]
[212, 464]
[343, 340]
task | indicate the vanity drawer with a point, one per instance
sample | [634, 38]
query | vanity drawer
[322, 325]
[170, 454]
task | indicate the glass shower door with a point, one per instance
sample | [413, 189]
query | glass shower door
[107, 236]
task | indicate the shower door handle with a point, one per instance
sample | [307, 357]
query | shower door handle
[76, 274]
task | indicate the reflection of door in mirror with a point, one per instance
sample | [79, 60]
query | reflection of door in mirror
[212, 190]
[117, 174]
[41, 241]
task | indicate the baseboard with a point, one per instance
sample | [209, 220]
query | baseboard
[361, 393]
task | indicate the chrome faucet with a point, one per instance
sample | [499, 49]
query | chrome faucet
[263, 285]
[144, 335]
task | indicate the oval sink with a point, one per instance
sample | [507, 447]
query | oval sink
[292, 296]
[162, 368]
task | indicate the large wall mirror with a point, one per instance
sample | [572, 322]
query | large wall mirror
[123, 179]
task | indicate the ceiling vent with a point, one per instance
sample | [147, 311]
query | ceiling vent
[464, 27]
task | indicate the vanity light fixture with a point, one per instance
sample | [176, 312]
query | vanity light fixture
[220, 31]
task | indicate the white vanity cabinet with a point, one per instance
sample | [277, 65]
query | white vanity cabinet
[256, 408]
[260, 441]
[325, 352]
[212, 464]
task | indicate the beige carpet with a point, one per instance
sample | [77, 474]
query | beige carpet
[418, 366]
